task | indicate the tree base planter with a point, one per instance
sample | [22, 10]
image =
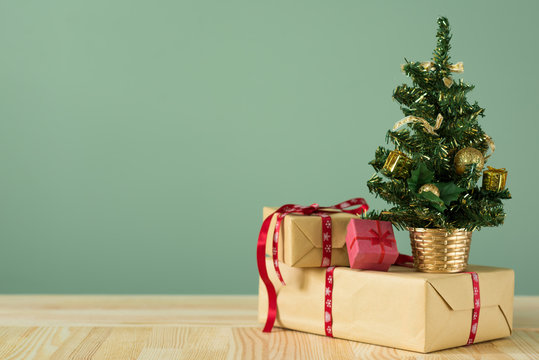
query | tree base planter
[439, 250]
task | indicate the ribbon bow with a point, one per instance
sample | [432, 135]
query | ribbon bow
[456, 68]
[281, 212]
[378, 238]
[427, 127]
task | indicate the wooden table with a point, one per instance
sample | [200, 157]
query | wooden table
[201, 327]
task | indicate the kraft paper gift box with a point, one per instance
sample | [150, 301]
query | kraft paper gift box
[401, 308]
[300, 238]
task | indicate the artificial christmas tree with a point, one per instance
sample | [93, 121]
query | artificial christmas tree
[431, 176]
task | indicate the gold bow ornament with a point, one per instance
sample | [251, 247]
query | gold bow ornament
[448, 81]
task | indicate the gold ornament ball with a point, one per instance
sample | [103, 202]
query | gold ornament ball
[430, 187]
[468, 156]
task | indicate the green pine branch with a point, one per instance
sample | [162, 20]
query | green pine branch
[441, 52]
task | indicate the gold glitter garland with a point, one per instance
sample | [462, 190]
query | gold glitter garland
[426, 126]
[491, 145]
[429, 65]
[448, 81]
[456, 68]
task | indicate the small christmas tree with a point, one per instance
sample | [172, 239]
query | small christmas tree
[431, 177]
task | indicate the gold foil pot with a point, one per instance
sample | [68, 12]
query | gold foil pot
[397, 165]
[494, 179]
[440, 251]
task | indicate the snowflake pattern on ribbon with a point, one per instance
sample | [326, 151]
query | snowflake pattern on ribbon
[325, 262]
[328, 316]
[326, 239]
[477, 307]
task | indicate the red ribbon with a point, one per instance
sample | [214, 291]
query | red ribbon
[326, 243]
[405, 260]
[328, 314]
[476, 307]
[378, 239]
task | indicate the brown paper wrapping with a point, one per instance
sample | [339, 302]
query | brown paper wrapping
[300, 239]
[402, 308]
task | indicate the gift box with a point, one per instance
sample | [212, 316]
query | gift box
[371, 244]
[401, 308]
[301, 239]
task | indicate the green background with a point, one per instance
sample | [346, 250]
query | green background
[139, 140]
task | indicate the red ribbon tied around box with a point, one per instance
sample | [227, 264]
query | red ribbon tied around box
[378, 238]
[328, 313]
[281, 212]
[476, 307]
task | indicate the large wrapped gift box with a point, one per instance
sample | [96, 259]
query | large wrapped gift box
[401, 308]
[300, 238]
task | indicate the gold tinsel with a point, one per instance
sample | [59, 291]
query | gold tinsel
[430, 187]
[468, 156]
[494, 179]
[397, 165]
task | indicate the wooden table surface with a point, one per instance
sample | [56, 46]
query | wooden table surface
[201, 327]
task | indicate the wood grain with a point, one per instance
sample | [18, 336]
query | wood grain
[201, 327]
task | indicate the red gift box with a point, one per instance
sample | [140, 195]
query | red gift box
[371, 244]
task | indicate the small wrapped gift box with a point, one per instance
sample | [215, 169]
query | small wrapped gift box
[494, 179]
[301, 238]
[401, 308]
[371, 244]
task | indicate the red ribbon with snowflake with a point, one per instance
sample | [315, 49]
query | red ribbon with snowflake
[281, 212]
[476, 307]
[328, 314]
